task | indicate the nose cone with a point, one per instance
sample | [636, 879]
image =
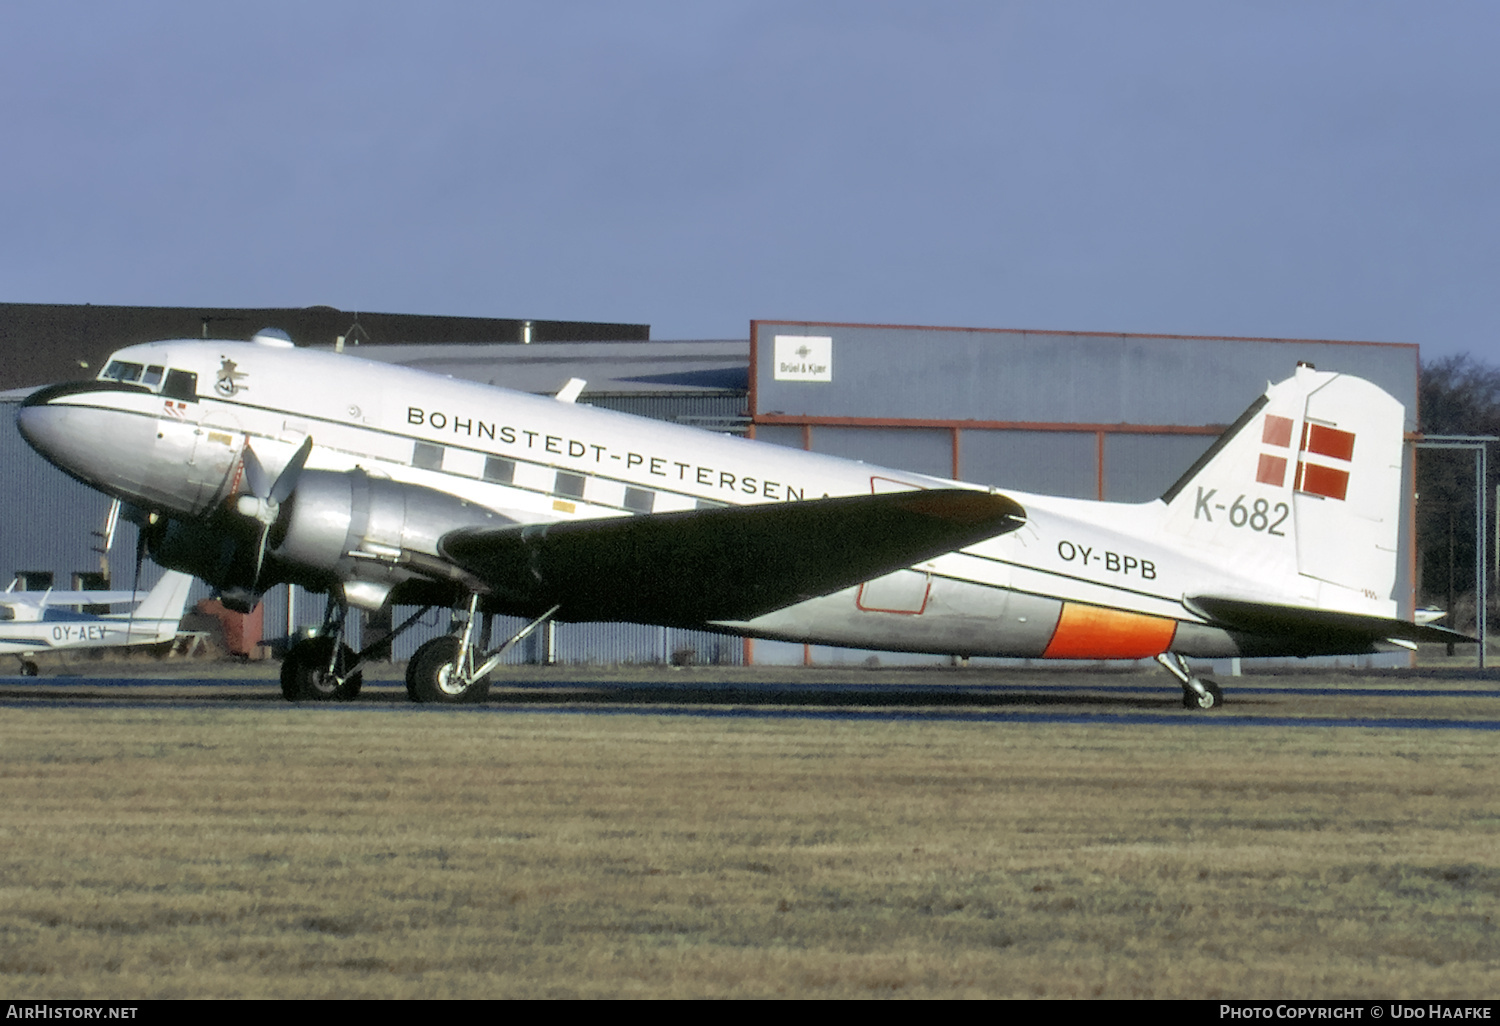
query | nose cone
[102, 447]
[38, 423]
[43, 425]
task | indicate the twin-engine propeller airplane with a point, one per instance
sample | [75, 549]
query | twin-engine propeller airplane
[251, 464]
[39, 621]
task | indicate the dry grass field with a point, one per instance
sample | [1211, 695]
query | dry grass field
[278, 851]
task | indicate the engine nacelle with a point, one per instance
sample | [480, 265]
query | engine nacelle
[365, 532]
[364, 535]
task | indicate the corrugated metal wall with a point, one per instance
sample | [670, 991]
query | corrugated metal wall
[712, 411]
[1052, 377]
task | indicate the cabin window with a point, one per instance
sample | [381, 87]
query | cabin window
[122, 370]
[181, 385]
[500, 471]
[570, 485]
[152, 377]
[639, 500]
[426, 456]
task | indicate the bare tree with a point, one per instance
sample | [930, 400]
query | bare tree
[1459, 395]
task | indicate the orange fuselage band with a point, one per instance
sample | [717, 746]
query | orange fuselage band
[1093, 632]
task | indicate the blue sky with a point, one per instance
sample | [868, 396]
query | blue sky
[1299, 169]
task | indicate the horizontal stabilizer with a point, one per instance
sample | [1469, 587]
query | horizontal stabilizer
[1317, 627]
[730, 563]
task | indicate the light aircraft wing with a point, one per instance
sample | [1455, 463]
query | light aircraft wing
[80, 598]
[730, 563]
[1317, 626]
[30, 605]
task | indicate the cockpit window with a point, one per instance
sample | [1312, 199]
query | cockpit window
[181, 385]
[133, 373]
[122, 370]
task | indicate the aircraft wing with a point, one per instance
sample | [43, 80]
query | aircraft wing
[88, 598]
[730, 563]
[1317, 626]
[35, 601]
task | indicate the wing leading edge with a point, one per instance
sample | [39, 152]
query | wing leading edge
[730, 563]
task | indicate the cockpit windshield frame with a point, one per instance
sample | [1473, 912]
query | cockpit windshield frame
[129, 372]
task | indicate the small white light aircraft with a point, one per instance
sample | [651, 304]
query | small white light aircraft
[39, 621]
[254, 463]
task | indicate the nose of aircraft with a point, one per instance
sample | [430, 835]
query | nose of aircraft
[102, 447]
[41, 424]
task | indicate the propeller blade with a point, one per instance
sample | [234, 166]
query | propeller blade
[255, 474]
[260, 558]
[264, 498]
[135, 581]
[268, 501]
[288, 478]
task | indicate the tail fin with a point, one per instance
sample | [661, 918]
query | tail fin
[167, 599]
[1303, 494]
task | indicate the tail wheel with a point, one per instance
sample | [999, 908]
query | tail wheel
[305, 675]
[432, 675]
[1213, 700]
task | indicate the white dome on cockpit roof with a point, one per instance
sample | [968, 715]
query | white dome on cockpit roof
[273, 337]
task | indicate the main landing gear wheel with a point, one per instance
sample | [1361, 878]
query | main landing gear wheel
[305, 675]
[1214, 699]
[433, 675]
[28, 668]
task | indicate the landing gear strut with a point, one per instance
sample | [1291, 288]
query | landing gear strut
[445, 669]
[432, 675]
[452, 669]
[318, 670]
[322, 669]
[1197, 692]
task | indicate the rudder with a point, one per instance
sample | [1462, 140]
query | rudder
[167, 599]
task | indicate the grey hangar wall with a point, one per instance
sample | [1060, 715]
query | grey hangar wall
[1091, 416]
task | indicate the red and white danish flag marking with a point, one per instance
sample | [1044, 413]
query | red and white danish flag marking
[1330, 443]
